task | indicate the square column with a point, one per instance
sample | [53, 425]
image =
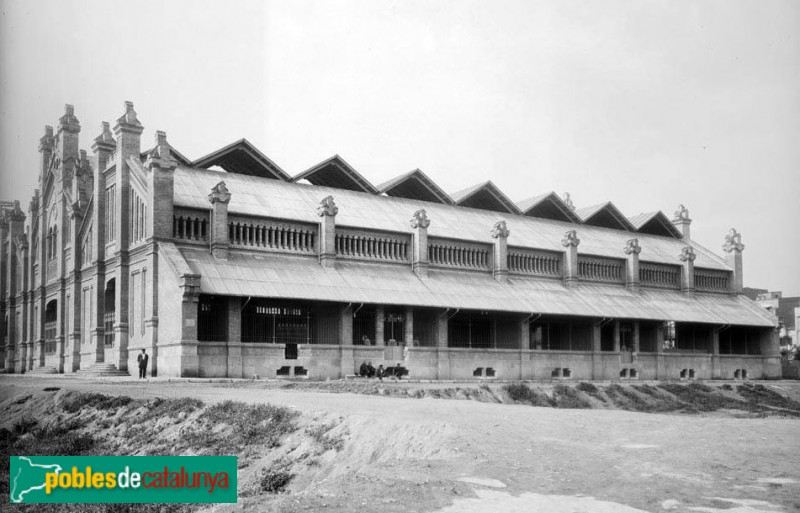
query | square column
[500, 235]
[409, 327]
[687, 257]
[632, 250]
[379, 318]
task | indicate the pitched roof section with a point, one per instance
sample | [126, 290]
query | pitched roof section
[548, 206]
[485, 196]
[175, 154]
[243, 158]
[335, 172]
[605, 215]
[415, 185]
[655, 223]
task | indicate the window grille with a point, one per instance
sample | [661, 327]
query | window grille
[212, 319]
[561, 335]
[425, 325]
[471, 329]
[394, 327]
[740, 341]
[364, 326]
[648, 337]
[692, 338]
[108, 327]
[285, 322]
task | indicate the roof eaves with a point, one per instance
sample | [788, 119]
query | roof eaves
[461, 196]
[587, 213]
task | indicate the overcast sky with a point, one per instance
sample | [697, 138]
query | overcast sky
[647, 104]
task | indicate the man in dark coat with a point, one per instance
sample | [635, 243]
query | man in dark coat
[142, 359]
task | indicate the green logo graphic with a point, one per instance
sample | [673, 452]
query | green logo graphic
[123, 479]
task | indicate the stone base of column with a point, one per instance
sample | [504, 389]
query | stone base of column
[346, 362]
[442, 364]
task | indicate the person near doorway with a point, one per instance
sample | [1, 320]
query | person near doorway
[142, 359]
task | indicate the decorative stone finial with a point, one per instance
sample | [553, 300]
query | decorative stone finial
[129, 118]
[327, 207]
[570, 239]
[687, 254]
[500, 230]
[162, 147]
[733, 241]
[220, 193]
[682, 214]
[568, 201]
[420, 219]
[632, 246]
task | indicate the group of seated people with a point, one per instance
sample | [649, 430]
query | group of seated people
[366, 370]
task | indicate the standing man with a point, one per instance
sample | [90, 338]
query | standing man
[142, 359]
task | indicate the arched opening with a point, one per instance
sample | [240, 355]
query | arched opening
[50, 320]
[109, 311]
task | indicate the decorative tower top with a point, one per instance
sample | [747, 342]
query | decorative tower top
[47, 141]
[68, 122]
[570, 239]
[220, 193]
[129, 118]
[420, 219]
[733, 241]
[632, 247]
[327, 207]
[500, 230]
[105, 139]
[687, 254]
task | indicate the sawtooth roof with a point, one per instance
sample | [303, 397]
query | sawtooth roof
[605, 215]
[255, 196]
[548, 206]
[415, 185]
[335, 172]
[655, 223]
[243, 158]
[485, 196]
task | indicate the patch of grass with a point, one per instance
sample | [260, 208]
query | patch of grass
[276, 478]
[702, 397]
[51, 389]
[763, 396]
[727, 387]
[628, 399]
[566, 397]
[77, 402]
[591, 389]
[522, 393]
[159, 407]
[321, 435]
[248, 424]
[646, 389]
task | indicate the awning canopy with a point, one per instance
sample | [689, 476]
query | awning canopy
[277, 276]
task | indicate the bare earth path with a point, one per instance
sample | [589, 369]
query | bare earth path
[448, 455]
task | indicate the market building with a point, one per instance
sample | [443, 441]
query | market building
[228, 266]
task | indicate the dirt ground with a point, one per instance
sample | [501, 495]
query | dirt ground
[406, 454]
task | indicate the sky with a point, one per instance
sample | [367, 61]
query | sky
[646, 104]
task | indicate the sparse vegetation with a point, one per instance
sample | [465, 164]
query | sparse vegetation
[77, 402]
[589, 388]
[566, 397]
[276, 478]
[522, 393]
[321, 435]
